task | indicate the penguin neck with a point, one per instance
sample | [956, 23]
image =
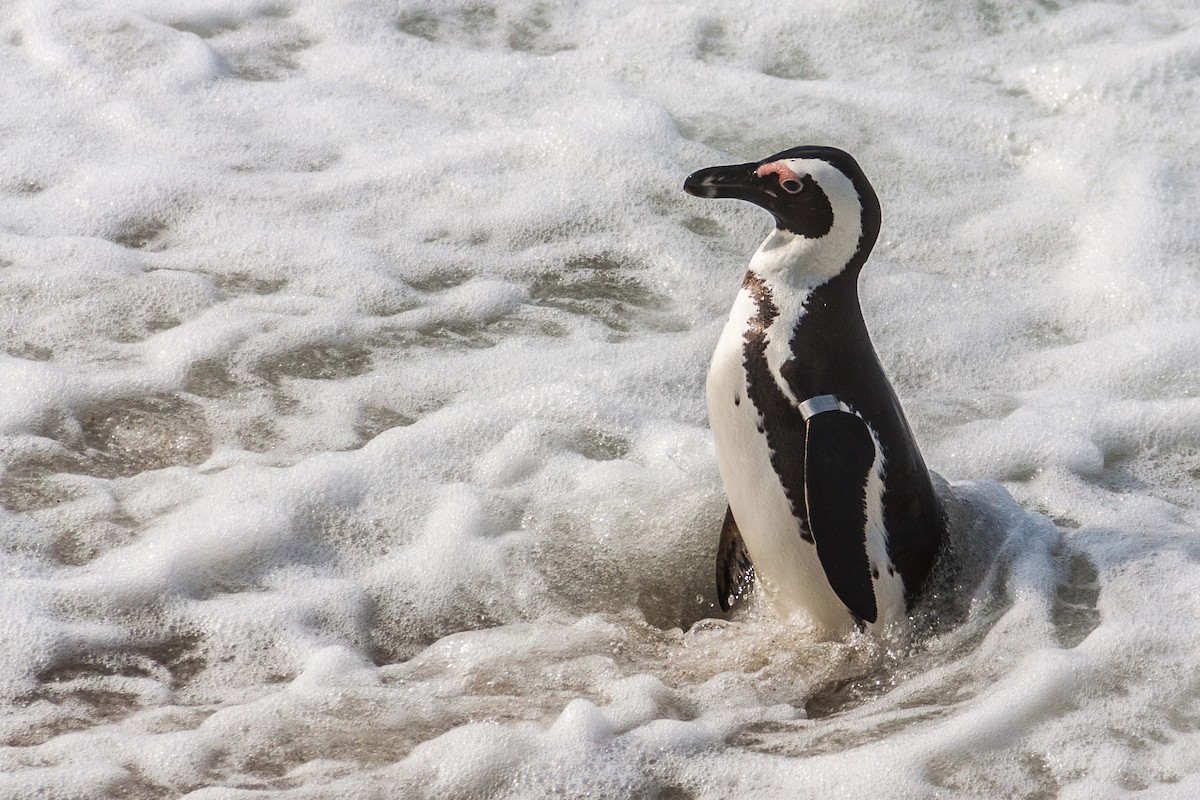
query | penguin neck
[808, 323]
[782, 303]
[800, 275]
[800, 264]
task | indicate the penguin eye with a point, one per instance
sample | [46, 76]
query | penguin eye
[791, 185]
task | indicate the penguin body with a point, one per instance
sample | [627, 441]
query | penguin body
[831, 506]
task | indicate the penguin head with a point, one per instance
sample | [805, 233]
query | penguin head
[826, 212]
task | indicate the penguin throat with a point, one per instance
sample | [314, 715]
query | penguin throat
[803, 263]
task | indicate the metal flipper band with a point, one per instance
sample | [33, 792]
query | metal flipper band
[819, 405]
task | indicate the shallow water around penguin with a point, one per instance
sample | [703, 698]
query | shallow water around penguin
[352, 428]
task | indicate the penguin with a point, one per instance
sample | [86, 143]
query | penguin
[831, 507]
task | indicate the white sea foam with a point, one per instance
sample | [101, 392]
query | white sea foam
[351, 398]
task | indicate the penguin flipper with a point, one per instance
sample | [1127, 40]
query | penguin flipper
[838, 455]
[735, 573]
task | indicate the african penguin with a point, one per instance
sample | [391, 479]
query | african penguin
[831, 506]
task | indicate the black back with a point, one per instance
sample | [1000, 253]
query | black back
[833, 355]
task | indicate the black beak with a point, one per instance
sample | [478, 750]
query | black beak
[736, 180]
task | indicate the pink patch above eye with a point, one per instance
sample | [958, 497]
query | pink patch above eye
[780, 169]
